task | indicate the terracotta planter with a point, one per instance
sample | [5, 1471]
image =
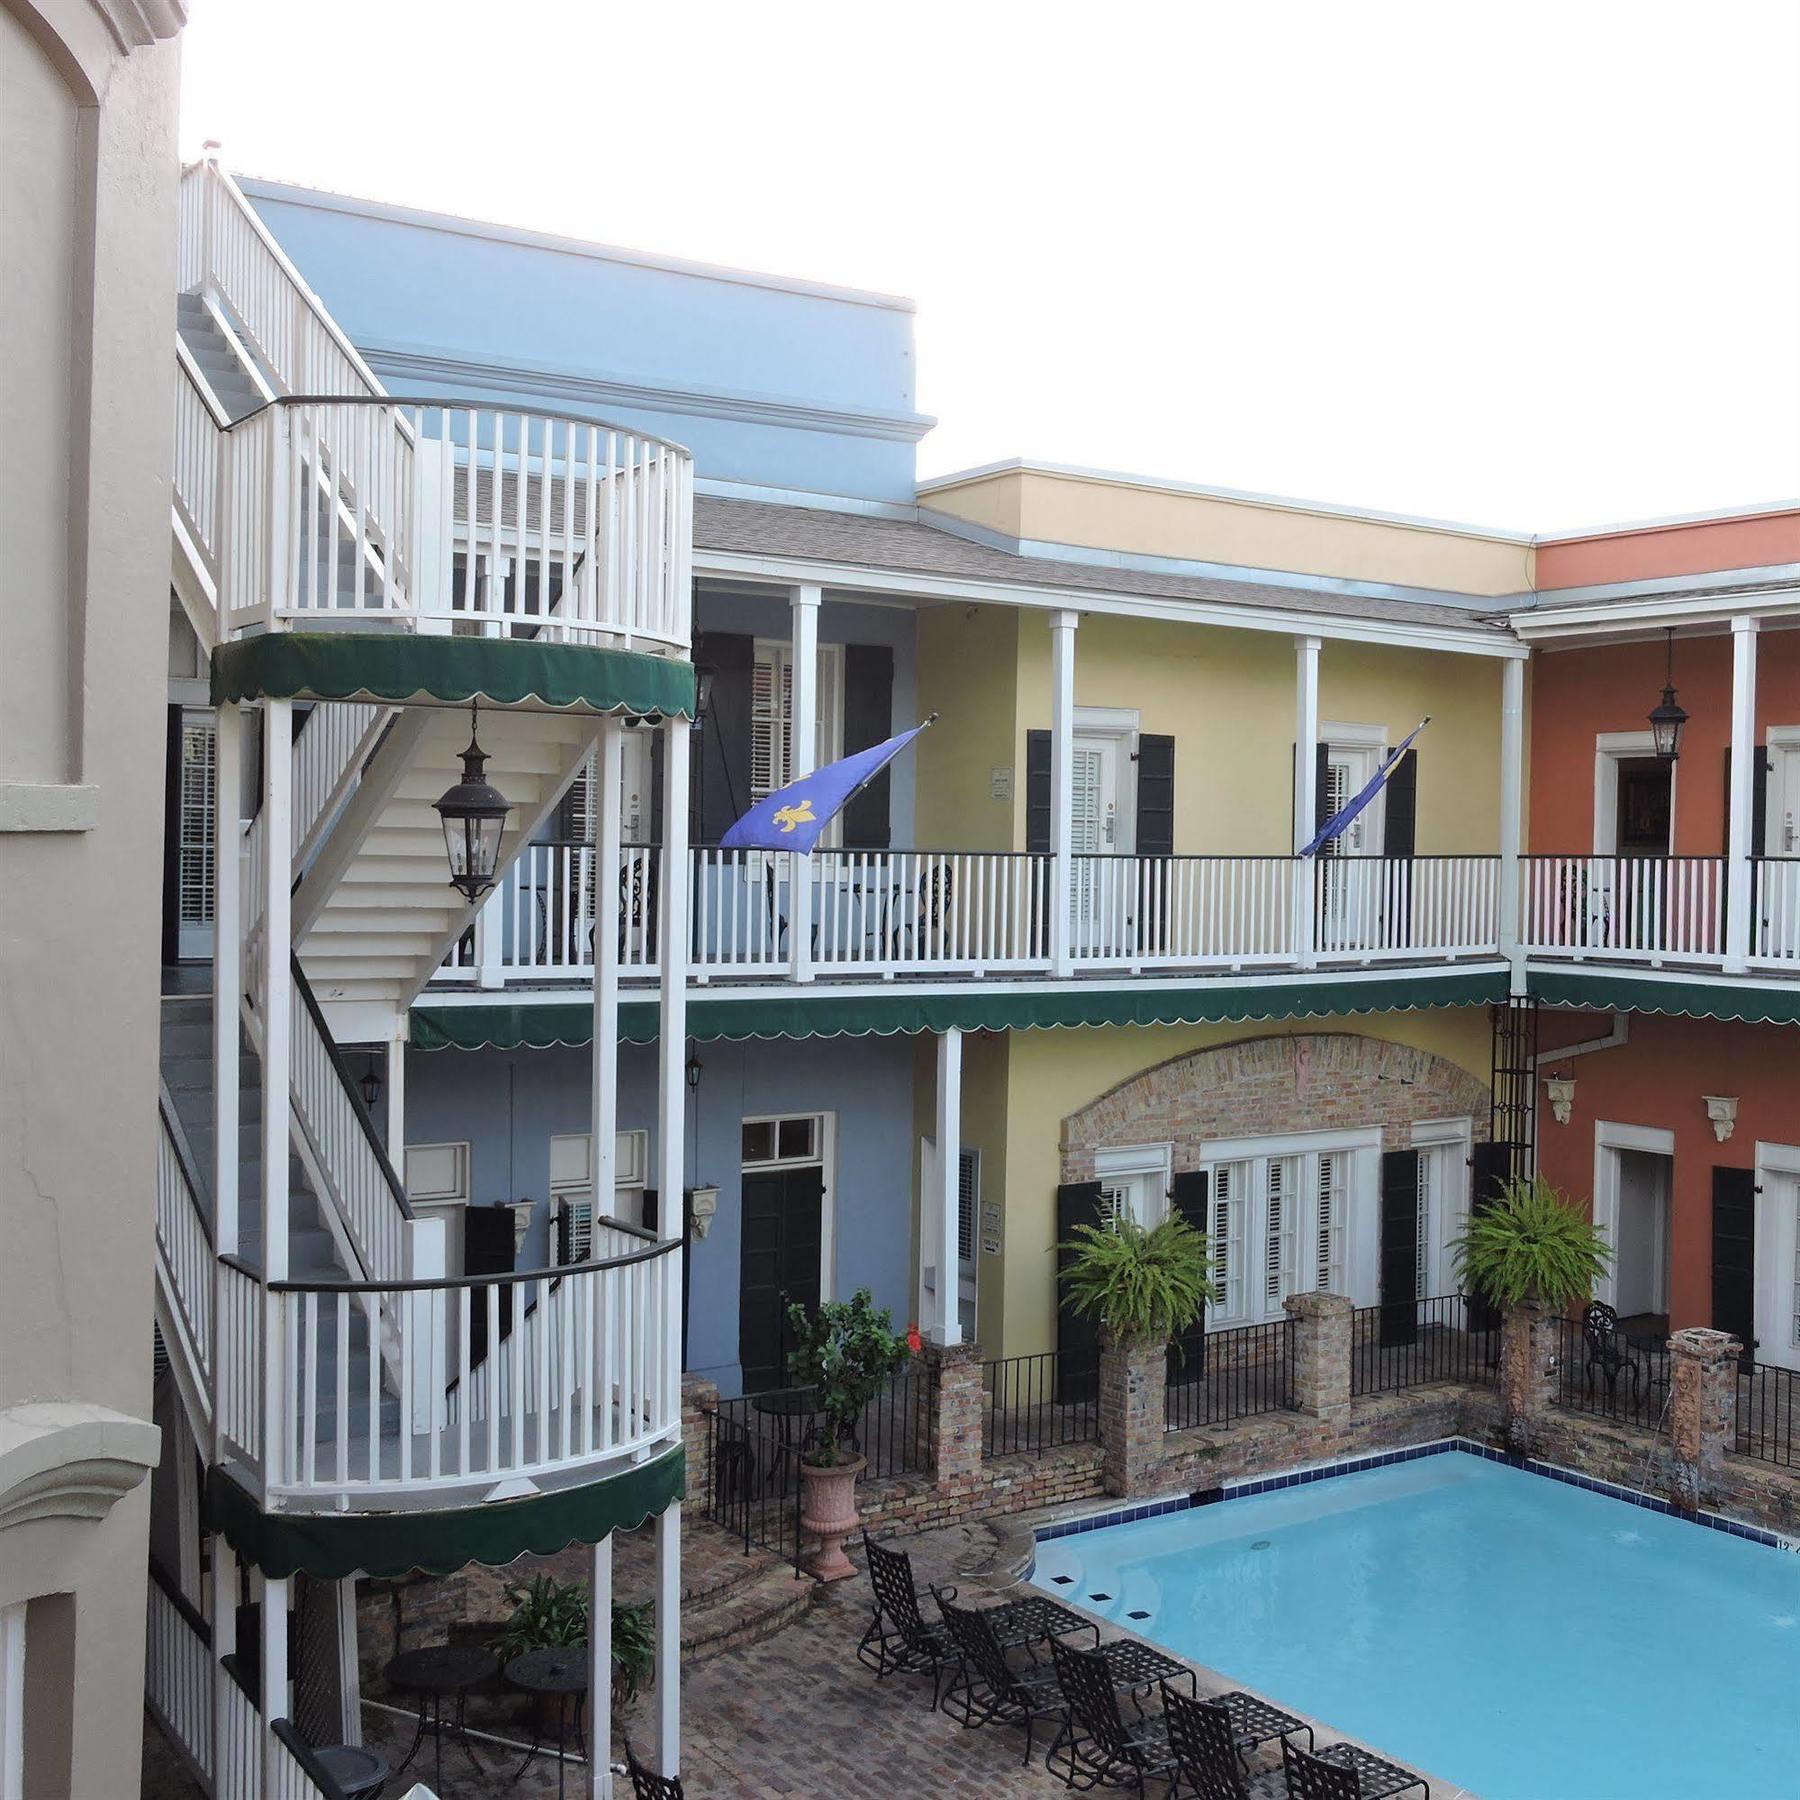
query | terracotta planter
[828, 1513]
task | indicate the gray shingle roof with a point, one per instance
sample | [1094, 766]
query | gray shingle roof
[755, 528]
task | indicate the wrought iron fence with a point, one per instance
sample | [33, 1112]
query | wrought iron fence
[1035, 1403]
[753, 1487]
[892, 1433]
[1613, 1374]
[1417, 1342]
[1768, 1414]
[1234, 1374]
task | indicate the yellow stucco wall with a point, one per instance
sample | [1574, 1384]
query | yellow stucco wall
[967, 674]
[1050, 1074]
[1112, 514]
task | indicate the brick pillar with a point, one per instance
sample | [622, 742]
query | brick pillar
[1133, 1379]
[950, 1407]
[1531, 1339]
[698, 1397]
[1321, 1353]
[1703, 1369]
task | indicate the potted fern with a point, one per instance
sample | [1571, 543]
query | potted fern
[845, 1353]
[1139, 1283]
[1533, 1247]
[552, 1615]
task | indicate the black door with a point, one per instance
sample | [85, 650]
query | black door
[1189, 1194]
[1077, 1334]
[1734, 1255]
[1399, 1246]
[782, 1211]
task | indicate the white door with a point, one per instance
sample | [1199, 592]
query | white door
[1640, 1274]
[1279, 1227]
[1778, 902]
[1099, 899]
[1778, 1269]
[1347, 893]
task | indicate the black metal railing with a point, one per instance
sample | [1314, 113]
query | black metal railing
[1035, 1403]
[753, 1483]
[1417, 1342]
[1768, 1414]
[892, 1433]
[1612, 1374]
[1234, 1374]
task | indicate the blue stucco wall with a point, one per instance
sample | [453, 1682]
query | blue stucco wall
[508, 1105]
[769, 383]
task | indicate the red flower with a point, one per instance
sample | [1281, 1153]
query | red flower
[914, 1342]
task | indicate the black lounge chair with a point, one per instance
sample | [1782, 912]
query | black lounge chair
[1249, 1720]
[988, 1686]
[898, 1637]
[1208, 1763]
[1104, 1746]
[646, 1784]
[1345, 1772]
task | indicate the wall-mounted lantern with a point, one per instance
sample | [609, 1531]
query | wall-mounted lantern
[1721, 1109]
[1666, 718]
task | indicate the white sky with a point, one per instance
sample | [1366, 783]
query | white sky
[1524, 264]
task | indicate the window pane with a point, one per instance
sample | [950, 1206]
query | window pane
[759, 1140]
[796, 1138]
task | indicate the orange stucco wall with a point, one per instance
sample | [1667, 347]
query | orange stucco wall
[1670, 550]
[1577, 694]
[1657, 1080]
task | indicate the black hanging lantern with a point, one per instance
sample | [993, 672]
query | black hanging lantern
[1667, 719]
[371, 1083]
[474, 815]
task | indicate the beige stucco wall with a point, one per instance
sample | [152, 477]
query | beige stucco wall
[967, 674]
[88, 180]
[1042, 506]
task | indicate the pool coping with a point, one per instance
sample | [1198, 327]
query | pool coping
[1115, 1514]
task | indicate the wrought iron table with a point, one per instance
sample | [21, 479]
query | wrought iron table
[432, 1673]
[561, 1674]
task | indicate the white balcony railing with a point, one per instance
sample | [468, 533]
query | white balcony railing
[1624, 908]
[1776, 911]
[1182, 911]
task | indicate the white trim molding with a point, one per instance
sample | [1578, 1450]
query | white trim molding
[1609, 1138]
[62, 1459]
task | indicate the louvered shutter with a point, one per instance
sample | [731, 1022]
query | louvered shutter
[1734, 1257]
[868, 719]
[1399, 1246]
[1077, 1335]
[968, 1191]
[1189, 1196]
[1401, 800]
[1037, 792]
[724, 755]
[198, 782]
[1155, 838]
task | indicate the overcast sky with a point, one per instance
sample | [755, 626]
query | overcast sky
[1530, 265]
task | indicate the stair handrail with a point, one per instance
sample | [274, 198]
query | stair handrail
[189, 1267]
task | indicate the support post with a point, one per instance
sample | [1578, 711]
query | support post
[394, 1124]
[1738, 847]
[668, 1640]
[599, 1731]
[1531, 1339]
[938, 1214]
[1134, 1374]
[225, 1590]
[1322, 1326]
[227, 1019]
[1703, 1385]
[609, 765]
[671, 1050]
[490, 941]
[1062, 783]
[277, 1001]
[803, 755]
[1306, 822]
[1512, 813]
[276, 1590]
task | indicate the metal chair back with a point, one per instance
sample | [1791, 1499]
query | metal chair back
[1204, 1748]
[1094, 1702]
[973, 1635]
[891, 1576]
[646, 1784]
[1311, 1777]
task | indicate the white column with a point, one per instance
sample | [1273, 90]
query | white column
[609, 764]
[668, 1640]
[599, 1726]
[1306, 740]
[1738, 847]
[671, 1052]
[938, 1213]
[490, 940]
[224, 1644]
[343, 1601]
[1062, 781]
[804, 754]
[395, 1123]
[12, 1701]
[275, 1592]
[228, 989]
[1512, 811]
[277, 1002]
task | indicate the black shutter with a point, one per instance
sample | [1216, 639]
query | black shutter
[1155, 839]
[722, 756]
[1734, 1254]
[1399, 1246]
[1077, 1335]
[650, 1203]
[487, 1250]
[1490, 1168]
[868, 718]
[1037, 792]
[1402, 801]
[1189, 1199]
[1321, 785]
[1759, 805]
[171, 884]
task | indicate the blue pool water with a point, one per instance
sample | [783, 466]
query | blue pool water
[1522, 1638]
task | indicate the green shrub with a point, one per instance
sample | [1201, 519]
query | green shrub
[845, 1352]
[1531, 1246]
[552, 1615]
[1138, 1282]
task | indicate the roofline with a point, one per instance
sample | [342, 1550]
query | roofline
[1243, 496]
[1638, 527]
[323, 200]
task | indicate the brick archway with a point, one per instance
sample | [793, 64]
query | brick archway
[1272, 1086]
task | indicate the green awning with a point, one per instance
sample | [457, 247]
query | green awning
[404, 667]
[332, 1545]
[1626, 990]
[989, 1006]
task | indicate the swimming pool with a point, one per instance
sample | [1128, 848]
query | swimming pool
[1518, 1636]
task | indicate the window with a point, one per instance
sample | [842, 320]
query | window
[1330, 1270]
[772, 714]
[572, 1188]
[968, 1203]
[194, 848]
[775, 1143]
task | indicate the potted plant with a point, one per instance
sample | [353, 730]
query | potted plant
[845, 1353]
[1533, 1247]
[552, 1615]
[1138, 1282]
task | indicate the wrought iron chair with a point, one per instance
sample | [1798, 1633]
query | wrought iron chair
[1208, 1763]
[1103, 1745]
[1345, 1772]
[898, 1636]
[1249, 1720]
[1608, 1351]
[646, 1784]
[989, 1686]
[932, 896]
